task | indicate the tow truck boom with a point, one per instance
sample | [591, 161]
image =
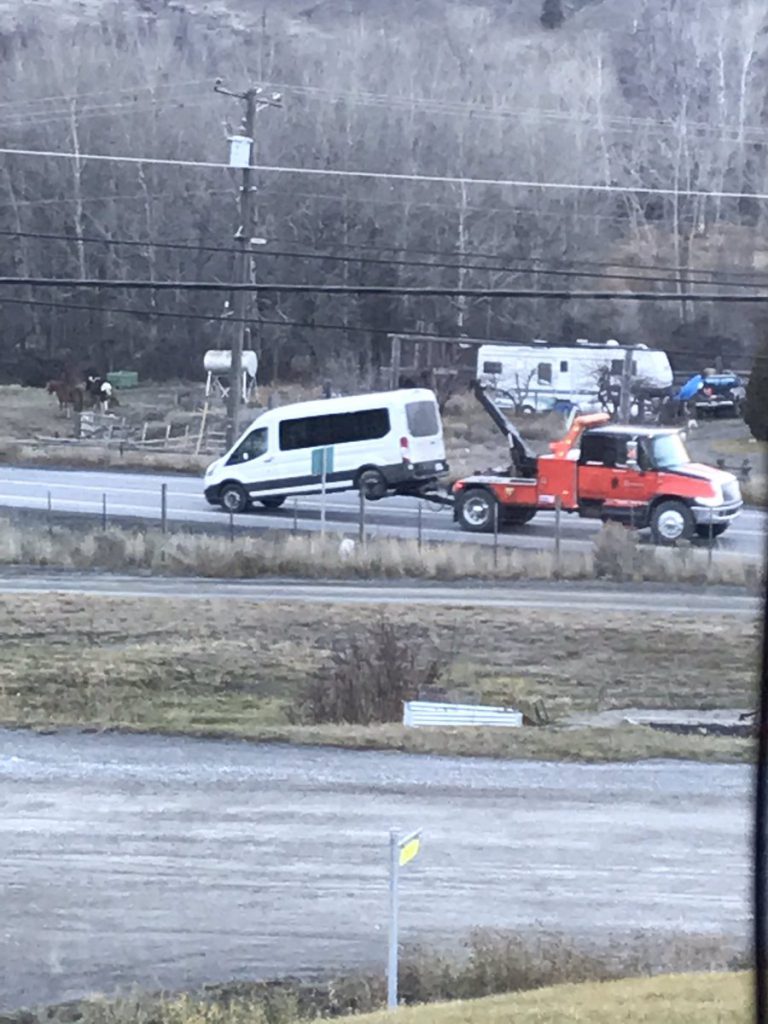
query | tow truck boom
[523, 457]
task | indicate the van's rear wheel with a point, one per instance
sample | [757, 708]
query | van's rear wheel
[476, 510]
[372, 484]
[233, 498]
[274, 501]
[672, 521]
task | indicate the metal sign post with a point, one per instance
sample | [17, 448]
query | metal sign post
[401, 852]
[322, 466]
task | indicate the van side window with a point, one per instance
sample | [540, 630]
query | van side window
[545, 373]
[422, 419]
[494, 368]
[338, 428]
[253, 446]
[564, 366]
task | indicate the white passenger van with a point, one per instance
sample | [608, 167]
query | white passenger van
[391, 442]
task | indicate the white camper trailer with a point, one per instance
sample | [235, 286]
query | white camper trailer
[534, 378]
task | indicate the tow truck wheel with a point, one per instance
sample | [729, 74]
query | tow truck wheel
[715, 530]
[476, 510]
[273, 501]
[672, 521]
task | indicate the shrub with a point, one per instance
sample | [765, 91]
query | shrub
[756, 405]
[616, 553]
[366, 679]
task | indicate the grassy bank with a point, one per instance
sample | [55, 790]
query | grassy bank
[539, 968]
[615, 555]
[681, 999]
[235, 668]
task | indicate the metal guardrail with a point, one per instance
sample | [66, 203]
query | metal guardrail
[423, 713]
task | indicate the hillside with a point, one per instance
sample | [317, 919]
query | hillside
[662, 96]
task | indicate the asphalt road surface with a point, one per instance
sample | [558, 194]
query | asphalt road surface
[595, 597]
[167, 862]
[135, 495]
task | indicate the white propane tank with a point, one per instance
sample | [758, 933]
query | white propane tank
[218, 361]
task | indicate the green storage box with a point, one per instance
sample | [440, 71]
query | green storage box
[123, 379]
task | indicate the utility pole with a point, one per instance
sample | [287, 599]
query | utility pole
[625, 399]
[254, 101]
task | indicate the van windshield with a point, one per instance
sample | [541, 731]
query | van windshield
[253, 446]
[422, 419]
[668, 451]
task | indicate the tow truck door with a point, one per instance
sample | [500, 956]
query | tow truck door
[605, 474]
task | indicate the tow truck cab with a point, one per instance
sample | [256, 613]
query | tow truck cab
[645, 477]
[639, 476]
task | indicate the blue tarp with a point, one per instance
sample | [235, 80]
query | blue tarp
[690, 388]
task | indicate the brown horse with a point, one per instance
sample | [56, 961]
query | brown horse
[69, 395]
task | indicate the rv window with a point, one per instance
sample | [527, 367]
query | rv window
[339, 428]
[422, 419]
[492, 368]
[617, 368]
[564, 366]
[545, 373]
[251, 447]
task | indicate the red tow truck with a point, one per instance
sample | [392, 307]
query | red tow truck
[640, 476]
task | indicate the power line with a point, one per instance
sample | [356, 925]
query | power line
[365, 260]
[68, 97]
[615, 122]
[219, 319]
[433, 179]
[383, 290]
[405, 333]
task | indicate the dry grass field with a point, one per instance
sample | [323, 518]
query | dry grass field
[214, 667]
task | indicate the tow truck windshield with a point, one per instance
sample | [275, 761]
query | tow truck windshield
[668, 451]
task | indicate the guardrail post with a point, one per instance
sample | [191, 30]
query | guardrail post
[361, 522]
[164, 507]
[710, 545]
[558, 535]
[104, 512]
[232, 526]
[419, 528]
[48, 514]
[495, 535]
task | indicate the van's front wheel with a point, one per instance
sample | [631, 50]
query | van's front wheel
[233, 498]
[372, 484]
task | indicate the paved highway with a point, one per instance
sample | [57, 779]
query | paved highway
[157, 862]
[135, 495]
[565, 596]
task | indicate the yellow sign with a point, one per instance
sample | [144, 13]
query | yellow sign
[409, 850]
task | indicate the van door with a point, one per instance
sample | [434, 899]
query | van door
[251, 461]
[424, 431]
